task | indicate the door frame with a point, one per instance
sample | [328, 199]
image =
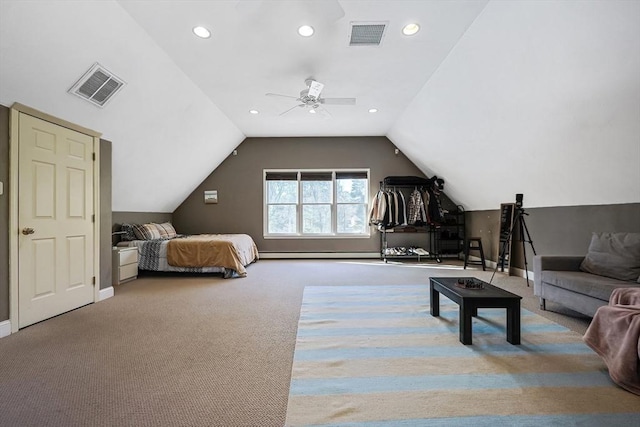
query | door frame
[14, 114]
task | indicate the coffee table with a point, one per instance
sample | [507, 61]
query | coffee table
[470, 300]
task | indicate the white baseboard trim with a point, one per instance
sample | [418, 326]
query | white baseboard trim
[487, 262]
[105, 293]
[520, 272]
[310, 255]
[491, 265]
[5, 328]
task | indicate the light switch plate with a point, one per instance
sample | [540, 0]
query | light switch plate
[1, 188]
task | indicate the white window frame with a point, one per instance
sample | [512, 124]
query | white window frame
[334, 204]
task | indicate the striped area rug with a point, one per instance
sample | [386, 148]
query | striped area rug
[374, 356]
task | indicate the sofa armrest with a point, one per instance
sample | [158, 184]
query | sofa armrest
[553, 262]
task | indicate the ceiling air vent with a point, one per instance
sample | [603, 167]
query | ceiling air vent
[98, 85]
[367, 33]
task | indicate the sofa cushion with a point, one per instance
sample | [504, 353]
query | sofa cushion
[585, 283]
[615, 255]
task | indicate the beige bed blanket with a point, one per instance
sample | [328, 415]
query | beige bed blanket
[614, 333]
[231, 251]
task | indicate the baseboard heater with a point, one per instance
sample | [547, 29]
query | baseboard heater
[316, 255]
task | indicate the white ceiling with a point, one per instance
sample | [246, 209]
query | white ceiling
[496, 97]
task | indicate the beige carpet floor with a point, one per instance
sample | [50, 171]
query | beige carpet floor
[176, 350]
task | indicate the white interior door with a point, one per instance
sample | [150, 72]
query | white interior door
[55, 209]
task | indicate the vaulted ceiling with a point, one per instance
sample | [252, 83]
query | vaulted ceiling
[497, 97]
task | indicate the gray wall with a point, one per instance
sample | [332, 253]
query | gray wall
[564, 230]
[140, 218]
[4, 213]
[105, 213]
[554, 230]
[239, 181]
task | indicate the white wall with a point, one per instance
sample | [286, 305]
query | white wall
[160, 122]
[540, 98]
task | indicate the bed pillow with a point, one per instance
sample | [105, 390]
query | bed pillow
[146, 231]
[129, 234]
[615, 255]
[166, 230]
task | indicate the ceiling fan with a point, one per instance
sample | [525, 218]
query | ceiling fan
[310, 97]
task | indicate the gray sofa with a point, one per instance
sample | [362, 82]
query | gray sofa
[560, 280]
[585, 283]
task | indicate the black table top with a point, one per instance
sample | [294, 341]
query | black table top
[489, 291]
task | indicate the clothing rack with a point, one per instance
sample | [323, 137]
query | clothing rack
[423, 224]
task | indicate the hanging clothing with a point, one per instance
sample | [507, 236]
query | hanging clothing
[417, 214]
[426, 196]
[392, 207]
[388, 209]
[435, 211]
[402, 209]
[378, 208]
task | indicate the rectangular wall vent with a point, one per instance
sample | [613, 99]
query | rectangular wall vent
[98, 85]
[367, 33]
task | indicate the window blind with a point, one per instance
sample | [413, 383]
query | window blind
[316, 176]
[281, 176]
[351, 175]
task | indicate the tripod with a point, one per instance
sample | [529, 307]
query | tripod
[522, 228]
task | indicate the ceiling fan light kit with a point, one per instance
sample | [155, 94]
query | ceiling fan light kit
[310, 97]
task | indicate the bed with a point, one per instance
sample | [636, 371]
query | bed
[160, 248]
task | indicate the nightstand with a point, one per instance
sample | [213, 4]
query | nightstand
[125, 264]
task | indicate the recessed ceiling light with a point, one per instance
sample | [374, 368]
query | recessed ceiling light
[312, 111]
[201, 32]
[373, 110]
[410, 29]
[254, 111]
[305, 31]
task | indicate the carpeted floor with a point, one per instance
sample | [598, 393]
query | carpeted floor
[374, 356]
[190, 350]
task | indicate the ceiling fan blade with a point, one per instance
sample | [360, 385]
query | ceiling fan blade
[283, 96]
[338, 101]
[323, 111]
[295, 106]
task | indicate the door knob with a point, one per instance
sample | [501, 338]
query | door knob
[28, 230]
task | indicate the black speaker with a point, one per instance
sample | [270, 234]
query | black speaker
[519, 197]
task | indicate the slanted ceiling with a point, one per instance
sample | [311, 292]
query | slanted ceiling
[540, 98]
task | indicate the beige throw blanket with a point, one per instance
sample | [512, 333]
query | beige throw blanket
[231, 251]
[614, 334]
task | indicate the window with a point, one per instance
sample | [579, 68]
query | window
[316, 203]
